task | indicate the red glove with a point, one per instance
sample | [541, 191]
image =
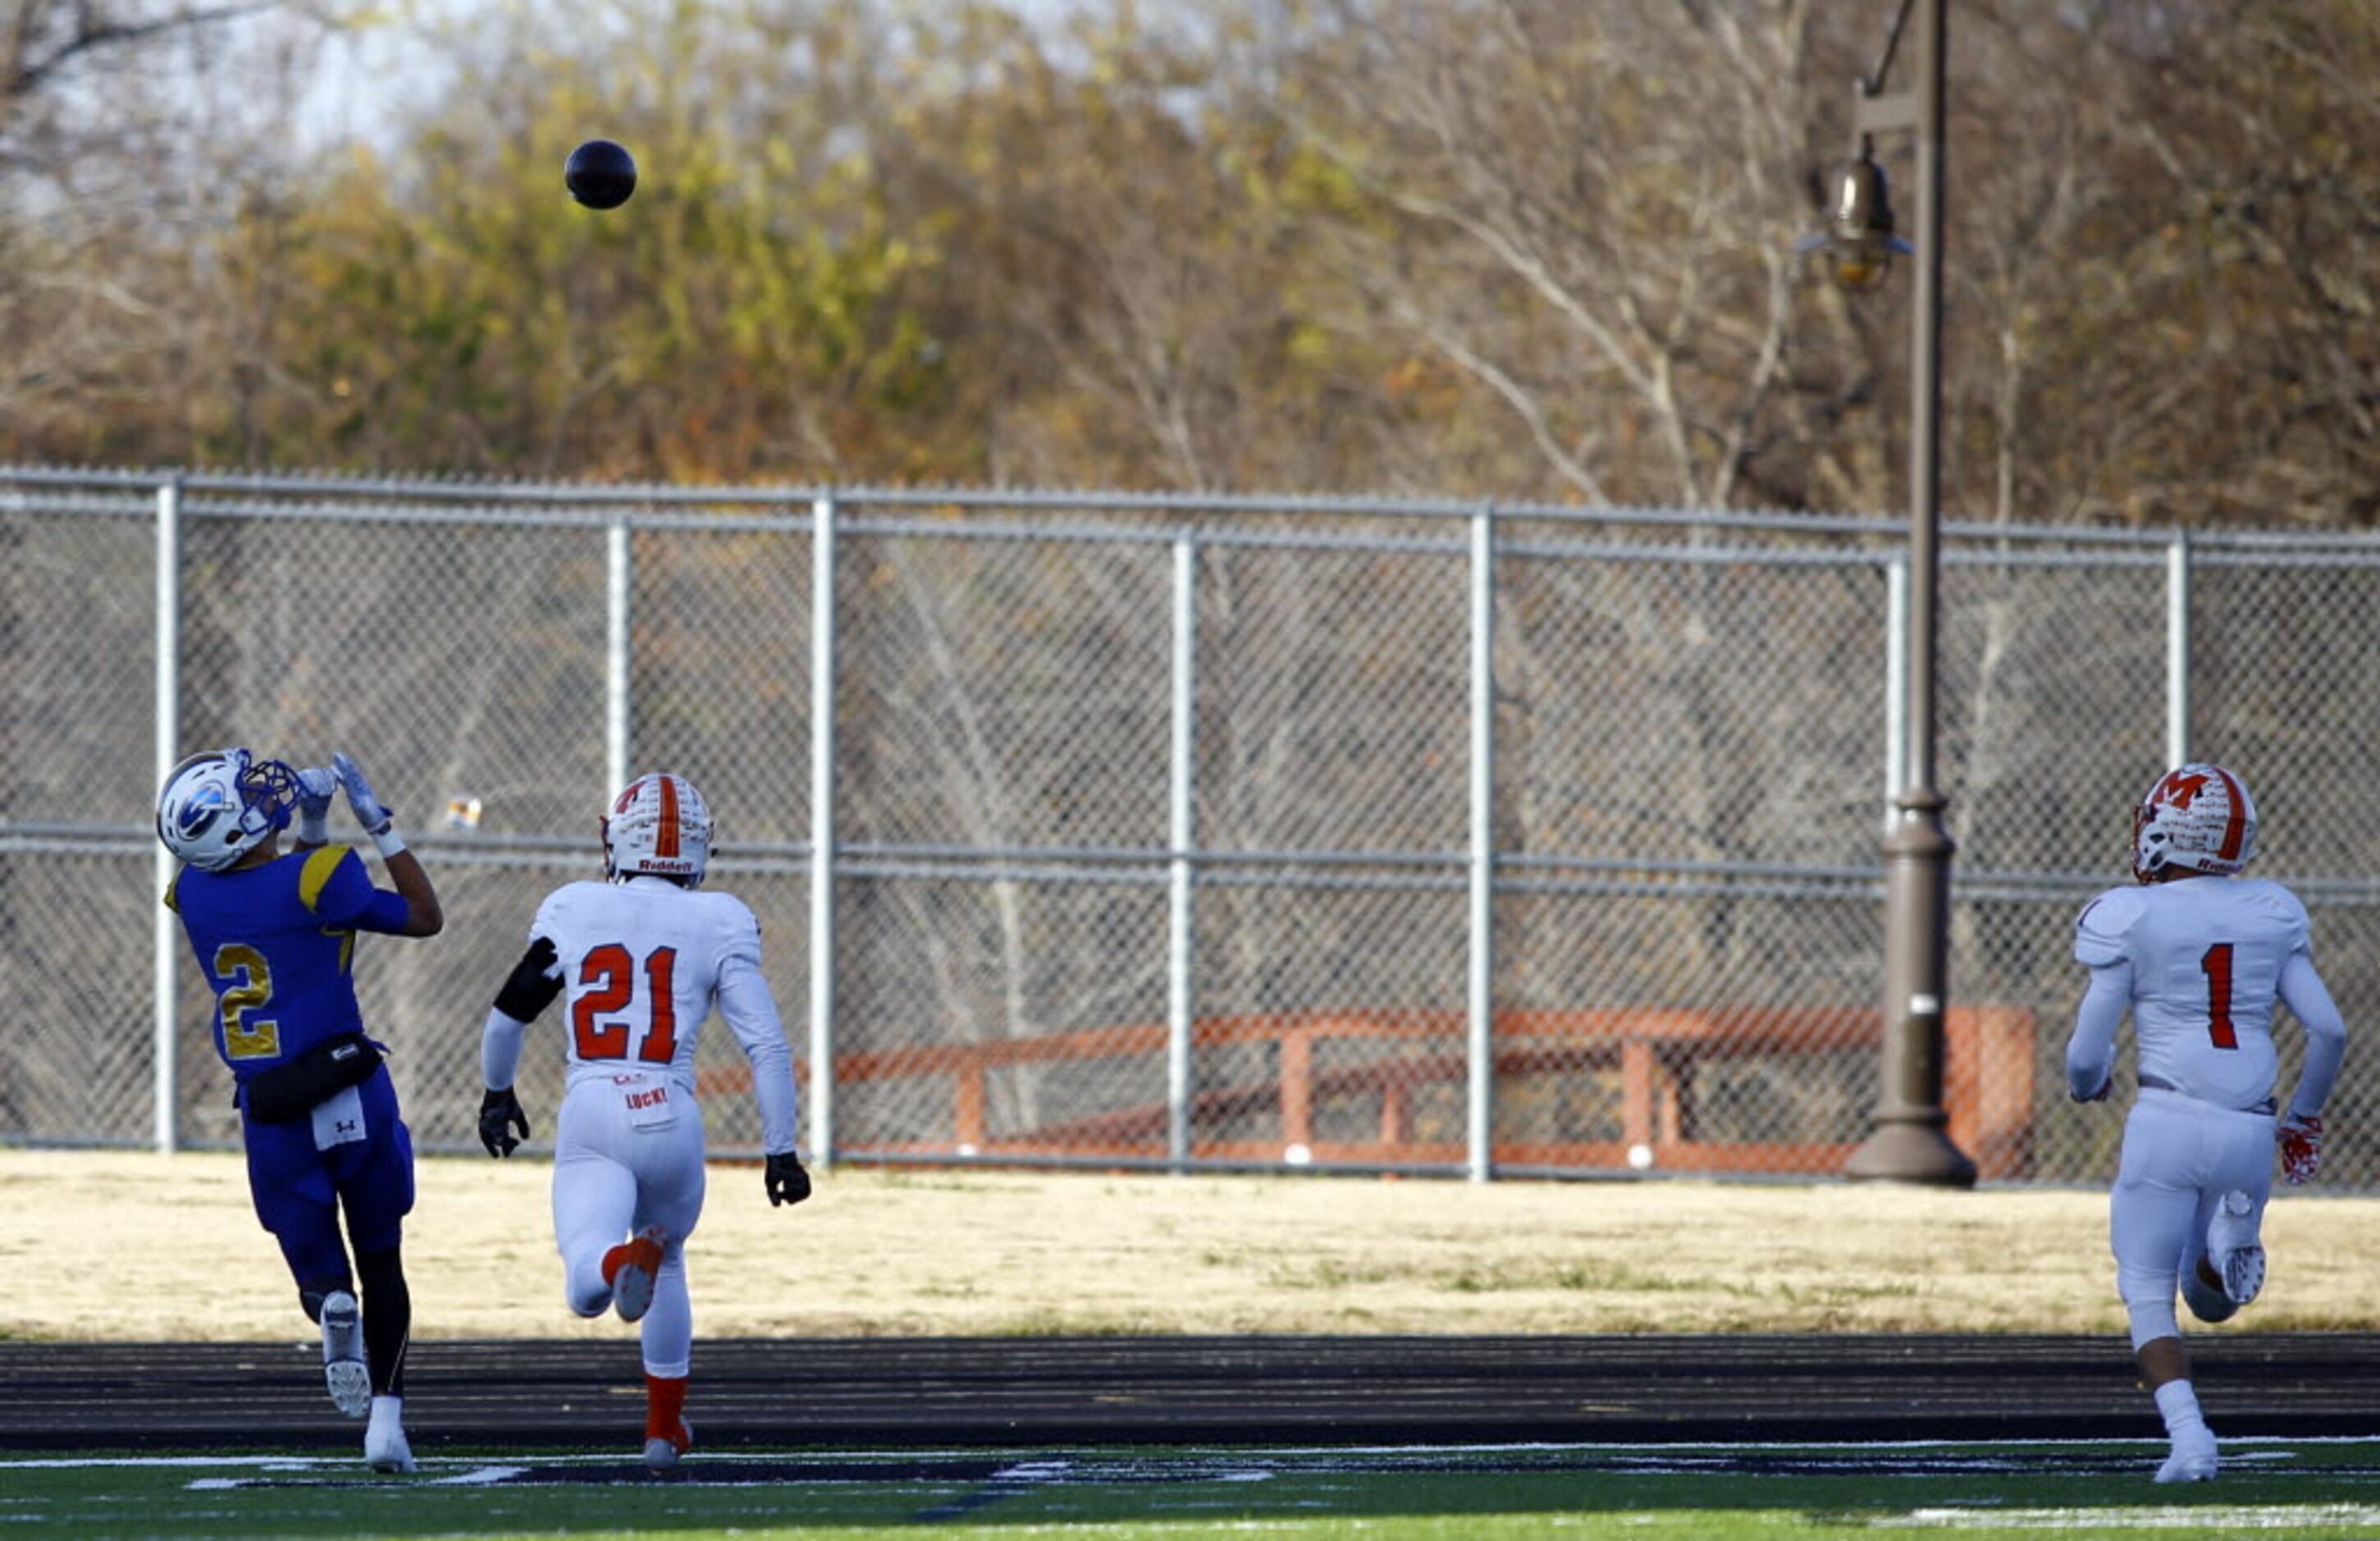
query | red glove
[2300, 1138]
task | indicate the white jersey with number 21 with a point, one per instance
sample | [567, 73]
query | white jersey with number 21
[642, 962]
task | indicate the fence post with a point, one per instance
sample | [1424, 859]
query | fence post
[1182, 945]
[164, 1039]
[1896, 680]
[1480, 1002]
[822, 961]
[618, 583]
[2177, 650]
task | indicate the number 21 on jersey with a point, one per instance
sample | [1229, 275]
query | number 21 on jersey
[614, 1009]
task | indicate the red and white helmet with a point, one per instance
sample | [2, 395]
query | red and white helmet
[658, 828]
[2197, 817]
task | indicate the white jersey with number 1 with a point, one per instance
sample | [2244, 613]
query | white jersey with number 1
[2207, 956]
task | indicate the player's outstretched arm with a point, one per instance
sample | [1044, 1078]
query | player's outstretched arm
[424, 916]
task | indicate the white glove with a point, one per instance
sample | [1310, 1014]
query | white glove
[315, 785]
[2300, 1140]
[375, 820]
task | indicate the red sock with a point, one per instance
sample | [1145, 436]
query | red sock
[664, 1403]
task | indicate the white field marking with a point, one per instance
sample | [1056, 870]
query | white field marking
[481, 1476]
[2278, 1516]
[1458, 1454]
[265, 1462]
[1218, 1462]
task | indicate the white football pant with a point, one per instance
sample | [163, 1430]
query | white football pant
[2181, 1157]
[620, 1166]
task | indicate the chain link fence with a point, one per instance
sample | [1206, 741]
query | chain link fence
[1169, 831]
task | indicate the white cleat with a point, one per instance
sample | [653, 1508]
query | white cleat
[2233, 1248]
[342, 1355]
[385, 1447]
[2193, 1458]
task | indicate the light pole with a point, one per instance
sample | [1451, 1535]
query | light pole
[1910, 1142]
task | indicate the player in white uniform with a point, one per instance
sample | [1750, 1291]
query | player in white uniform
[2198, 957]
[641, 959]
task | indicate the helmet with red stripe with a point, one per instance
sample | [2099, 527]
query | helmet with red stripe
[660, 828]
[2198, 818]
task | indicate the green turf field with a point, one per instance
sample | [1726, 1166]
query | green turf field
[2275, 1487]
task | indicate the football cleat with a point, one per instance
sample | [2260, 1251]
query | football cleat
[342, 1355]
[661, 1454]
[630, 1269]
[2193, 1458]
[2206, 1301]
[385, 1447]
[2233, 1249]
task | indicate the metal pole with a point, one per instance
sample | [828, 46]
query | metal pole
[1480, 997]
[2177, 650]
[617, 583]
[822, 960]
[1910, 1142]
[1182, 945]
[1895, 681]
[164, 1039]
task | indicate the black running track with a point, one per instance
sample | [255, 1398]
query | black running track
[943, 1393]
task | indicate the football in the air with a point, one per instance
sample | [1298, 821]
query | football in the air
[599, 173]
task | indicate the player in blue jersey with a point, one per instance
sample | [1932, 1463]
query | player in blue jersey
[274, 933]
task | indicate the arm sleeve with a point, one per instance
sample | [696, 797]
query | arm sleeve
[2090, 1052]
[751, 1014]
[532, 984]
[335, 887]
[500, 1046]
[2309, 1000]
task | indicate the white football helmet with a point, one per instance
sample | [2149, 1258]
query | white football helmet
[2197, 817]
[659, 828]
[221, 805]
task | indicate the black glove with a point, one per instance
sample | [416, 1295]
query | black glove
[497, 1109]
[788, 1184]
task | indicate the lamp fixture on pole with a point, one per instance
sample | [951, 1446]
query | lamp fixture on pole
[1860, 241]
[1910, 1142]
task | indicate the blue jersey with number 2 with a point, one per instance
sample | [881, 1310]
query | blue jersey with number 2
[276, 942]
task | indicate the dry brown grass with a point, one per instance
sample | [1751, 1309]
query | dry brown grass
[135, 1246]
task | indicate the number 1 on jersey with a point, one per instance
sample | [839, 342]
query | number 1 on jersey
[2216, 966]
[612, 971]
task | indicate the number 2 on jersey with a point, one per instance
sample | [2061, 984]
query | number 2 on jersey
[2216, 966]
[613, 971]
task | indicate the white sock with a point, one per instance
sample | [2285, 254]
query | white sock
[387, 1411]
[2179, 1403]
